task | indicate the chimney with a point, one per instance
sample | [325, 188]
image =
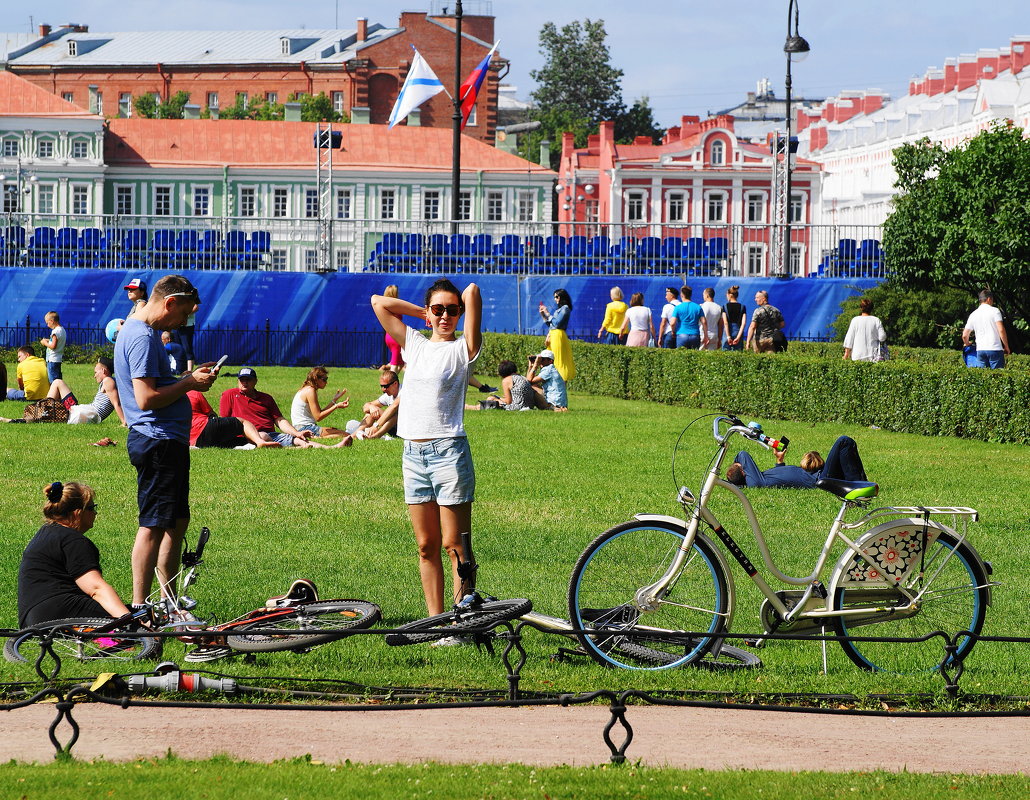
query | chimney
[44, 30]
[191, 111]
[935, 81]
[292, 112]
[950, 74]
[545, 154]
[966, 72]
[360, 115]
[415, 118]
[362, 28]
[1020, 53]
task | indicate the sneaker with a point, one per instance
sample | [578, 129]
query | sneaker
[486, 389]
[247, 446]
[451, 641]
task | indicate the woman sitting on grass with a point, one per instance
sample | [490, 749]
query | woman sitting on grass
[517, 393]
[306, 411]
[60, 574]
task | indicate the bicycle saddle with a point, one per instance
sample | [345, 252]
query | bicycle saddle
[301, 591]
[849, 490]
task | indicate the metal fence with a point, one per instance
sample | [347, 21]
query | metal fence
[428, 246]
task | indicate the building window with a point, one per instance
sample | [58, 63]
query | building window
[80, 200]
[755, 259]
[80, 148]
[100, 104]
[716, 207]
[248, 201]
[338, 102]
[677, 208]
[272, 97]
[343, 260]
[45, 202]
[201, 201]
[797, 208]
[756, 208]
[311, 260]
[242, 99]
[431, 204]
[280, 202]
[68, 97]
[73, 47]
[279, 259]
[494, 206]
[10, 191]
[387, 204]
[343, 204]
[465, 205]
[472, 117]
[284, 46]
[635, 207]
[718, 157]
[45, 148]
[124, 200]
[10, 148]
[125, 104]
[163, 201]
[212, 101]
[311, 203]
[526, 207]
[797, 260]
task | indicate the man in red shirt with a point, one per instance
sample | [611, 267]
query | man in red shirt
[259, 408]
[207, 429]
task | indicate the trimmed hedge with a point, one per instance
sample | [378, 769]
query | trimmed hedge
[899, 395]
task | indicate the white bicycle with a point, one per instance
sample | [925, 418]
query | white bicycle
[659, 583]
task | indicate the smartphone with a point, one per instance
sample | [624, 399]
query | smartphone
[221, 361]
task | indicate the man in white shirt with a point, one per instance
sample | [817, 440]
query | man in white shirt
[713, 320]
[992, 343]
[666, 334]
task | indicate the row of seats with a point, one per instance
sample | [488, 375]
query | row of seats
[133, 248]
[853, 259]
[415, 252]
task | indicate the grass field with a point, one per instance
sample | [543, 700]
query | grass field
[547, 485]
[170, 779]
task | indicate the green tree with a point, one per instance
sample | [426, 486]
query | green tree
[145, 105]
[577, 87]
[912, 317]
[316, 108]
[638, 121]
[174, 107]
[961, 219]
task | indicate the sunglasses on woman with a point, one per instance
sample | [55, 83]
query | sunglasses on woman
[453, 310]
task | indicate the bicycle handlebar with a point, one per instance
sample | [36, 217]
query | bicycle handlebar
[750, 430]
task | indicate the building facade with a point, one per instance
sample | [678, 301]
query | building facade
[358, 68]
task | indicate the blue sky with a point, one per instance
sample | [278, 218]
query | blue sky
[688, 56]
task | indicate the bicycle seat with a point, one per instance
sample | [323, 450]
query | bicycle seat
[849, 490]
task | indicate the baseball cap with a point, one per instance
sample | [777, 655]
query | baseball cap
[247, 372]
[136, 283]
[546, 354]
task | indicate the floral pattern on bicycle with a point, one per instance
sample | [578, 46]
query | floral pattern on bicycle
[886, 559]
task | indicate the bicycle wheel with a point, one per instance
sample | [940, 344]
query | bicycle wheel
[486, 615]
[68, 643]
[304, 626]
[630, 556]
[954, 597]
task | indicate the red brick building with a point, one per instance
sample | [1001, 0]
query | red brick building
[362, 68]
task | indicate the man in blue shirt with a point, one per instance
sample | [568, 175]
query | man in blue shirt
[543, 374]
[688, 320]
[157, 413]
[843, 463]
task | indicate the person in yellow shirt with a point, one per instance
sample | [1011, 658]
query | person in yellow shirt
[33, 383]
[614, 316]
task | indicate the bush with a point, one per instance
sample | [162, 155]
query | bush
[922, 392]
[913, 317]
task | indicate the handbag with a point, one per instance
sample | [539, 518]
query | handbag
[46, 410]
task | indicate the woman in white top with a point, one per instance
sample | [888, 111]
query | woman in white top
[639, 322]
[439, 479]
[306, 411]
[865, 335]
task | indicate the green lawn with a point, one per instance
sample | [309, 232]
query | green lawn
[547, 485]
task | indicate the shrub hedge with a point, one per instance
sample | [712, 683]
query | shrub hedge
[916, 392]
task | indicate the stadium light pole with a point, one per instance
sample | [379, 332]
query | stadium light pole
[796, 48]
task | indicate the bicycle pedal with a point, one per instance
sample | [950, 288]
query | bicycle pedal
[187, 603]
[756, 643]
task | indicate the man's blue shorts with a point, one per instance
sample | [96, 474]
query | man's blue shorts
[163, 479]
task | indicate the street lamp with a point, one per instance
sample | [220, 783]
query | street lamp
[796, 48]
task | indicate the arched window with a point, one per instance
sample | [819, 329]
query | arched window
[718, 157]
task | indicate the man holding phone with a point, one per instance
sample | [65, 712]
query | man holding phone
[158, 414]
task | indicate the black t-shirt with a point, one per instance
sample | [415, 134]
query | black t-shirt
[734, 313]
[52, 561]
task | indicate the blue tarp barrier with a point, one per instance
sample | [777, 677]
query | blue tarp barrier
[237, 307]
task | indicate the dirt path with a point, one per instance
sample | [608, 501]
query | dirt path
[679, 737]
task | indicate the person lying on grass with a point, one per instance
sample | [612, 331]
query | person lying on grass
[842, 463]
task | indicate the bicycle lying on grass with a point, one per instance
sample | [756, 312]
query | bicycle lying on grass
[662, 584]
[475, 617]
[295, 621]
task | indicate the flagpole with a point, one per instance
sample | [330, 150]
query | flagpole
[456, 139]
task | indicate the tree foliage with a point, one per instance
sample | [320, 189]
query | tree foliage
[638, 121]
[149, 107]
[961, 219]
[912, 317]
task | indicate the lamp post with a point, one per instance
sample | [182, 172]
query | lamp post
[796, 49]
[456, 139]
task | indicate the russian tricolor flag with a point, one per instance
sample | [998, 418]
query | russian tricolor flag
[469, 90]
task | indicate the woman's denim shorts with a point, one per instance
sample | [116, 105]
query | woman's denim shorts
[440, 470]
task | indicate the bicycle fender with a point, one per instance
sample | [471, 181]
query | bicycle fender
[849, 561]
[731, 588]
